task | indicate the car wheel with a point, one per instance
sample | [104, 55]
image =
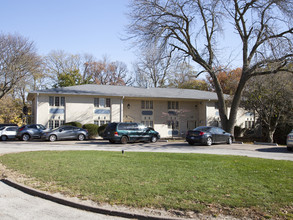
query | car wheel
[4, 138]
[289, 148]
[80, 137]
[124, 140]
[190, 143]
[154, 139]
[53, 138]
[25, 137]
[209, 141]
[229, 141]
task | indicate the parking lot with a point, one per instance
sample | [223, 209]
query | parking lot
[250, 150]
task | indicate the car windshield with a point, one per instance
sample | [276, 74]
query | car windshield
[41, 127]
[2, 128]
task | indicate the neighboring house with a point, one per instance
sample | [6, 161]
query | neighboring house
[169, 111]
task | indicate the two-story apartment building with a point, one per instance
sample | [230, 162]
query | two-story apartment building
[169, 111]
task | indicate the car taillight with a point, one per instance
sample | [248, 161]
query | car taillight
[21, 129]
[201, 133]
[115, 133]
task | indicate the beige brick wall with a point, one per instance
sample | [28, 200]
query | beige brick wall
[131, 110]
[116, 104]
[79, 108]
[43, 109]
[160, 118]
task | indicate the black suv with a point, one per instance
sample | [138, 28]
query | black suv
[129, 132]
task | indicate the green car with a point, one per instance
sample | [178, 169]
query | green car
[129, 132]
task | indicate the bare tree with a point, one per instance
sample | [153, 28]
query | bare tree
[194, 28]
[105, 72]
[183, 73]
[153, 68]
[18, 60]
[59, 64]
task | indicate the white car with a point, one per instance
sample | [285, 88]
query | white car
[8, 132]
[290, 141]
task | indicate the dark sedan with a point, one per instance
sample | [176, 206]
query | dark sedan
[66, 132]
[208, 135]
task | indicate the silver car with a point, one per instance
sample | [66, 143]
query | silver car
[290, 141]
[28, 132]
[8, 132]
[66, 132]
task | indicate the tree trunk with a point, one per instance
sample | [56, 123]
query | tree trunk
[229, 127]
[270, 136]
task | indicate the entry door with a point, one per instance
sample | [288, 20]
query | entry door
[191, 124]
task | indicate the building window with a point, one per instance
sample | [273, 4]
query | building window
[51, 124]
[101, 122]
[62, 101]
[102, 102]
[108, 102]
[173, 105]
[51, 101]
[56, 101]
[55, 123]
[173, 125]
[146, 104]
[96, 102]
[148, 123]
[249, 124]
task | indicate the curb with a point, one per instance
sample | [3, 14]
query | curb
[264, 143]
[65, 202]
[237, 142]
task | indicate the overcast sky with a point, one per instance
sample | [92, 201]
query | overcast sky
[75, 26]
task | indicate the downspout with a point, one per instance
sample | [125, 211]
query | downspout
[36, 109]
[206, 112]
[121, 109]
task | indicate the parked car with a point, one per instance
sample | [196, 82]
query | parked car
[66, 132]
[290, 141]
[27, 132]
[129, 132]
[208, 135]
[3, 125]
[8, 132]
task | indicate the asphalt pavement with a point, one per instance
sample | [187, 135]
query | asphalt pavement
[15, 204]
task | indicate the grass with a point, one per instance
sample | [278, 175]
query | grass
[186, 182]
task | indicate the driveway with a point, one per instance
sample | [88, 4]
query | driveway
[15, 204]
[250, 150]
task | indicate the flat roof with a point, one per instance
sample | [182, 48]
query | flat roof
[129, 92]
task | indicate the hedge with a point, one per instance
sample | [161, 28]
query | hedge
[92, 129]
[74, 123]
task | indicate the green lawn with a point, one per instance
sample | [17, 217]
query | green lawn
[163, 180]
